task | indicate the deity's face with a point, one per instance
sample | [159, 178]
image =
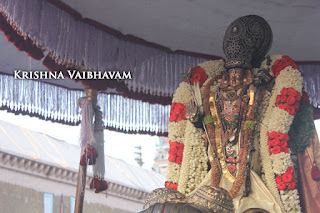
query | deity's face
[236, 77]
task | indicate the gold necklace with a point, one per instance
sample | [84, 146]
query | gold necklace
[218, 140]
[216, 137]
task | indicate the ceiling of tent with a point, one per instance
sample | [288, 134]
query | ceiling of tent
[191, 25]
[199, 26]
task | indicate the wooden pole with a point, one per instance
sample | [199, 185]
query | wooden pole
[82, 174]
[81, 186]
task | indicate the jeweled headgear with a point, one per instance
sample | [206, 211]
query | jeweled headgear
[246, 42]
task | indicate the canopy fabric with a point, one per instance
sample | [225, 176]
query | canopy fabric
[61, 38]
[85, 43]
[72, 43]
[311, 82]
[58, 104]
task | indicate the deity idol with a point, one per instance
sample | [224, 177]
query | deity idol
[229, 130]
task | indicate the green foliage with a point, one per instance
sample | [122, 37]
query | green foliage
[208, 119]
[249, 125]
[302, 128]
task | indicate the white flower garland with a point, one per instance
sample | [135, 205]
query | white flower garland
[194, 165]
[191, 172]
[175, 130]
[279, 120]
[183, 94]
[173, 172]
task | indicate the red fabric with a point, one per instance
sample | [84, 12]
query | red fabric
[315, 173]
[309, 189]
[89, 156]
[99, 184]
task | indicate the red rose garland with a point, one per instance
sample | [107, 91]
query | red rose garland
[176, 152]
[278, 142]
[287, 180]
[198, 74]
[289, 100]
[282, 63]
[177, 112]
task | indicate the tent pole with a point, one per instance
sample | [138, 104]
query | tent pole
[82, 174]
[81, 186]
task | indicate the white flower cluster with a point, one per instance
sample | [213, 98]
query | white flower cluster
[280, 162]
[173, 172]
[183, 94]
[176, 131]
[279, 120]
[287, 78]
[194, 166]
[290, 200]
[213, 68]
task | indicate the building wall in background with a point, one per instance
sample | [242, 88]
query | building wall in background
[14, 199]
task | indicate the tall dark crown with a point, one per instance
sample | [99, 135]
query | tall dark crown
[247, 41]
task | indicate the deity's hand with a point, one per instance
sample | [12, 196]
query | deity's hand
[193, 114]
[205, 139]
[262, 77]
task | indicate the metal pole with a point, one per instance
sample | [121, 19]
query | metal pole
[82, 174]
